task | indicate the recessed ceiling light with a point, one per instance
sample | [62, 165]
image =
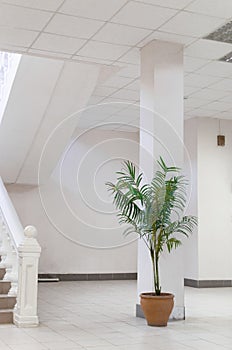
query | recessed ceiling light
[227, 58]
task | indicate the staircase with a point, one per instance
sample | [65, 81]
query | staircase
[7, 303]
[19, 256]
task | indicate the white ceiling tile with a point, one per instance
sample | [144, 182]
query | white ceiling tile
[194, 102]
[135, 85]
[208, 49]
[94, 100]
[102, 50]
[17, 37]
[189, 113]
[126, 94]
[228, 97]
[192, 63]
[188, 90]
[44, 53]
[132, 112]
[187, 109]
[14, 49]
[225, 85]
[104, 91]
[218, 106]
[98, 9]
[225, 115]
[217, 8]
[107, 108]
[73, 26]
[191, 24]
[201, 112]
[228, 104]
[91, 59]
[175, 4]
[51, 5]
[143, 15]
[132, 56]
[175, 38]
[216, 68]
[199, 80]
[209, 94]
[121, 34]
[94, 113]
[131, 71]
[21, 17]
[58, 43]
[118, 118]
[117, 81]
[121, 103]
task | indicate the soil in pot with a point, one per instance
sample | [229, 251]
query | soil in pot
[157, 308]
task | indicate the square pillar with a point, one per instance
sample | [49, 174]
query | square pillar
[161, 134]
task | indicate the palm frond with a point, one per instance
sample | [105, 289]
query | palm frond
[154, 211]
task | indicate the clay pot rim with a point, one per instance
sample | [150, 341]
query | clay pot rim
[152, 295]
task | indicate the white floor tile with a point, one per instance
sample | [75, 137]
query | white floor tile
[101, 316]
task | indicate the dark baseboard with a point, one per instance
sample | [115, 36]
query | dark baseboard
[89, 276]
[207, 283]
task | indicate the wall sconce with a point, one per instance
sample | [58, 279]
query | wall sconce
[220, 137]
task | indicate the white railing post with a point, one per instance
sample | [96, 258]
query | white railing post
[25, 314]
[13, 275]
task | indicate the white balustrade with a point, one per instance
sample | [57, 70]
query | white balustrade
[4, 246]
[20, 252]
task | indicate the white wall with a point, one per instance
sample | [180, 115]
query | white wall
[215, 200]
[191, 263]
[80, 234]
[214, 193]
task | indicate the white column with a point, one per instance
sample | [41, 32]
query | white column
[161, 134]
[25, 314]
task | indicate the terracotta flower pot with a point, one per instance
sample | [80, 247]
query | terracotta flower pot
[157, 308]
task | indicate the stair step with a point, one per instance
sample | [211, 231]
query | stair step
[4, 287]
[6, 316]
[7, 302]
[2, 273]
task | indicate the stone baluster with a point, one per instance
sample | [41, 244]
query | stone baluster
[1, 234]
[5, 250]
[13, 275]
[9, 259]
[25, 314]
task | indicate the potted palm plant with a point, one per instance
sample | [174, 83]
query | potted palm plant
[155, 211]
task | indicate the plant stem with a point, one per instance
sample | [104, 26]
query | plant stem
[155, 266]
[152, 253]
[157, 283]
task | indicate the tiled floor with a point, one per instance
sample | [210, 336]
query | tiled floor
[100, 316]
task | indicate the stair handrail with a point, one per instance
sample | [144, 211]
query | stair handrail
[10, 216]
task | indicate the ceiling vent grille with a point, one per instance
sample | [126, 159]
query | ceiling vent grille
[223, 34]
